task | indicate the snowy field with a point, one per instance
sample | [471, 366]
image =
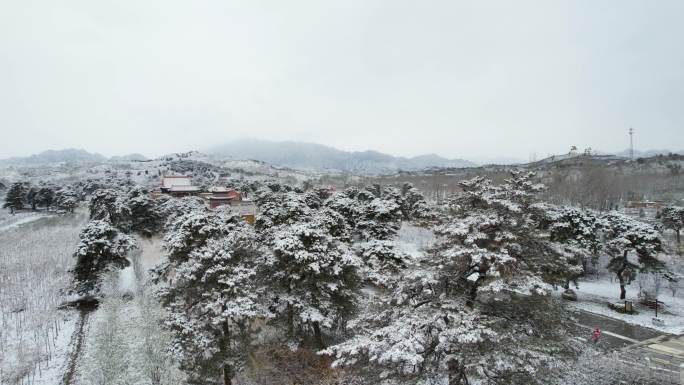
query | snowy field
[594, 296]
[9, 221]
[124, 343]
[36, 339]
[35, 255]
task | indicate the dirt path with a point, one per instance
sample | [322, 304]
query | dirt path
[77, 342]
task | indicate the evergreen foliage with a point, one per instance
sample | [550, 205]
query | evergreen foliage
[15, 197]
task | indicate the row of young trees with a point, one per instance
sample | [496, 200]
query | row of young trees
[23, 194]
[322, 269]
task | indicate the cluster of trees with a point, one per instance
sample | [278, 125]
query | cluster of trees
[116, 215]
[21, 195]
[476, 308]
[295, 271]
[631, 245]
[672, 218]
[322, 270]
[597, 184]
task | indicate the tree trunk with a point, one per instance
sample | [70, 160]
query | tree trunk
[227, 375]
[318, 336]
[678, 240]
[290, 320]
[621, 270]
[227, 371]
[470, 302]
[456, 373]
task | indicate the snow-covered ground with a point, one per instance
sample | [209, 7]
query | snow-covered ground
[146, 256]
[124, 345]
[34, 260]
[51, 370]
[413, 240]
[9, 221]
[594, 296]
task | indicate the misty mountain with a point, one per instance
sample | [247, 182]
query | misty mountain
[313, 156]
[128, 157]
[70, 155]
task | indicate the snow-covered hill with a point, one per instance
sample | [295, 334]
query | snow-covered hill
[311, 156]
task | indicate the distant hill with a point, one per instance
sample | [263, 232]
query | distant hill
[647, 153]
[129, 157]
[604, 156]
[313, 156]
[70, 155]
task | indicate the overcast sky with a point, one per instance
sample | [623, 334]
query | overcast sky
[469, 79]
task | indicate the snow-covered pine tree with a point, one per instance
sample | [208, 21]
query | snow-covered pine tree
[15, 197]
[111, 205]
[314, 279]
[334, 223]
[413, 204]
[31, 196]
[421, 335]
[211, 296]
[475, 310]
[380, 212]
[315, 197]
[170, 209]
[281, 208]
[578, 230]
[66, 199]
[145, 212]
[494, 233]
[627, 235]
[345, 204]
[102, 247]
[383, 263]
[45, 196]
[672, 218]
[191, 230]
[89, 186]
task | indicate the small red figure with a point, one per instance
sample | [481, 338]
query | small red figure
[596, 335]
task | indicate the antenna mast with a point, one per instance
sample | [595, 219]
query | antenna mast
[631, 143]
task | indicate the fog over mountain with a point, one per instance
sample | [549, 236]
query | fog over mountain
[319, 157]
[69, 155]
[299, 155]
